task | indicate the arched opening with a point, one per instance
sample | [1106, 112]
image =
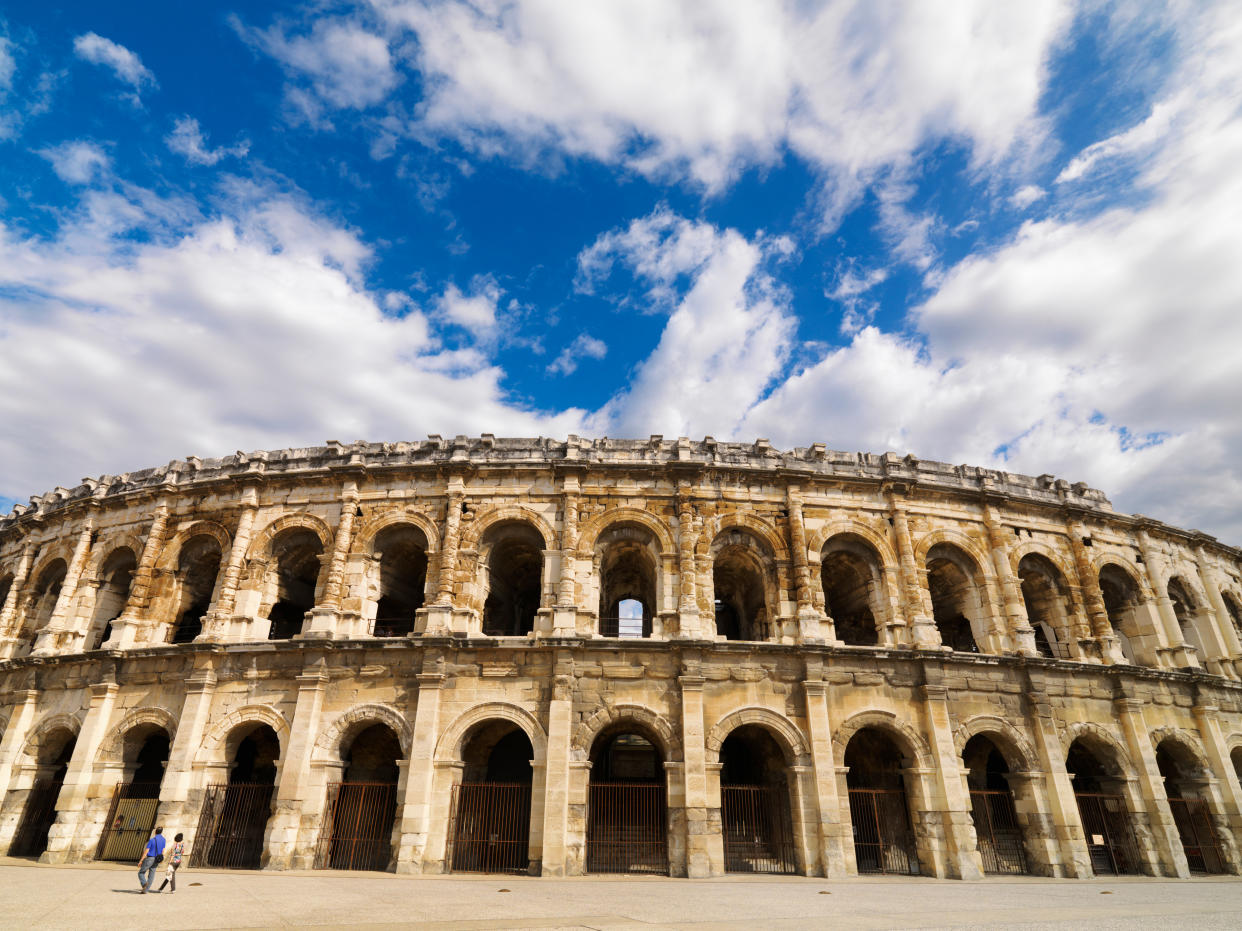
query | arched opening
[879, 809]
[298, 555]
[627, 806]
[1185, 784]
[52, 757]
[43, 601]
[1121, 600]
[362, 808]
[627, 570]
[1106, 822]
[234, 816]
[135, 802]
[1185, 608]
[1232, 606]
[515, 576]
[6, 586]
[957, 606]
[1045, 595]
[851, 576]
[754, 804]
[198, 565]
[992, 808]
[402, 554]
[115, 578]
[741, 606]
[491, 804]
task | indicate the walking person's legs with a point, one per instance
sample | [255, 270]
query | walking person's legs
[146, 873]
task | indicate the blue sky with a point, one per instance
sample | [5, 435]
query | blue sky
[1002, 234]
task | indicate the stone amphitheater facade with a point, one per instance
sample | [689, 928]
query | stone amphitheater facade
[613, 655]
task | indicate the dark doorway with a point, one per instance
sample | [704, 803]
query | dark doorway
[1106, 822]
[627, 814]
[491, 805]
[361, 809]
[234, 816]
[992, 808]
[197, 568]
[879, 810]
[136, 800]
[754, 804]
[39, 814]
[1184, 781]
[515, 572]
[402, 551]
[298, 555]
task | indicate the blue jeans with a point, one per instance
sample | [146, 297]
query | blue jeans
[147, 867]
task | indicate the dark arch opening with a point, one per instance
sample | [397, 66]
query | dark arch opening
[955, 596]
[627, 581]
[144, 752]
[1185, 608]
[235, 815]
[741, 598]
[1043, 593]
[1120, 594]
[362, 807]
[1106, 820]
[627, 809]
[1184, 784]
[39, 812]
[402, 551]
[492, 804]
[755, 808]
[515, 574]
[116, 577]
[998, 828]
[43, 602]
[198, 565]
[850, 573]
[298, 554]
[879, 809]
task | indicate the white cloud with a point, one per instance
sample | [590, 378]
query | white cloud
[127, 66]
[474, 312]
[187, 139]
[252, 329]
[584, 346]
[1027, 195]
[78, 162]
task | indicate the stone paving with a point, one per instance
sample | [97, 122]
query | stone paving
[103, 896]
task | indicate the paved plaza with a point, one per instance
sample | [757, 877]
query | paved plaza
[102, 896]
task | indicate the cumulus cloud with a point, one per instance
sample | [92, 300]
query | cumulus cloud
[474, 311]
[123, 63]
[251, 328]
[584, 346]
[187, 139]
[78, 162]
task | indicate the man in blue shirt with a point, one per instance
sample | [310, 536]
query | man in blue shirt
[151, 857]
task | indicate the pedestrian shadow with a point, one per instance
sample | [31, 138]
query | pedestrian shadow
[131, 891]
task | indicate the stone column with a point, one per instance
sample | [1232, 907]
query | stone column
[1106, 641]
[690, 624]
[10, 620]
[325, 618]
[126, 628]
[962, 853]
[565, 612]
[21, 718]
[1176, 654]
[1207, 716]
[1225, 636]
[704, 843]
[923, 631]
[440, 613]
[833, 832]
[1021, 634]
[178, 801]
[1129, 712]
[812, 626]
[219, 623]
[48, 639]
[556, 821]
[415, 812]
[295, 775]
[1069, 841]
[79, 779]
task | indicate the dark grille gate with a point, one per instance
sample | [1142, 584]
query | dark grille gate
[627, 828]
[1109, 834]
[131, 819]
[883, 841]
[37, 819]
[357, 826]
[231, 826]
[758, 832]
[998, 831]
[490, 832]
[1199, 840]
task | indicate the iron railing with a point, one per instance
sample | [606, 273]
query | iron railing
[231, 826]
[490, 832]
[1199, 840]
[1109, 833]
[635, 628]
[38, 816]
[131, 818]
[393, 627]
[998, 831]
[883, 840]
[627, 828]
[357, 826]
[758, 831]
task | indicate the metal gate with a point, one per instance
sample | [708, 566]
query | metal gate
[357, 826]
[37, 819]
[998, 831]
[490, 832]
[1199, 840]
[1109, 834]
[883, 841]
[131, 817]
[231, 826]
[627, 828]
[758, 832]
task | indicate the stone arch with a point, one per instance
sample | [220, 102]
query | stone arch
[646, 718]
[959, 539]
[104, 550]
[1019, 753]
[1094, 735]
[1039, 548]
[111, 750]
[171, 554]
[911, 743]
[1186, 741]
[56, 553]
[1125, 565]
[261, 548]
[332, 739]
[450, 745]
[788, 735]
[592, 530]
[880, 543]
[364, 540]
[514, 513]
[214, 745]
[756, 528]
[48, 726]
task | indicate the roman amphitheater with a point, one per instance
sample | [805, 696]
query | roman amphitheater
[603, 656]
